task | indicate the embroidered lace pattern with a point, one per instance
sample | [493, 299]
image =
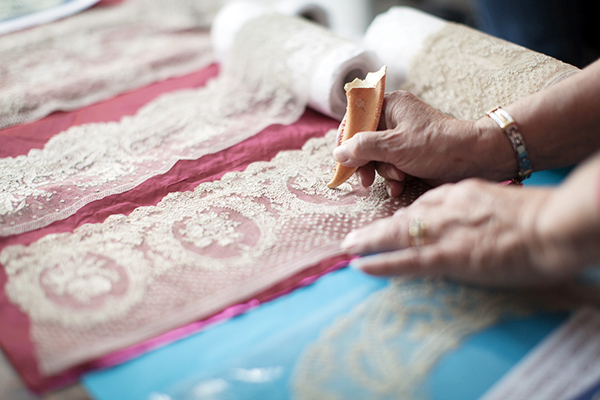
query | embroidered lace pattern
[92, 161]
[465, 73]
[99, 53]
[385, 347]
[112, 284]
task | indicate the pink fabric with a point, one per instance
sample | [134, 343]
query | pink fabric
[185, 175]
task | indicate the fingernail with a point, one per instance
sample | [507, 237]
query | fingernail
[349, 241]
[393, 174]
[388, 189]
[340, 155]
[356, 264]
[360, 181]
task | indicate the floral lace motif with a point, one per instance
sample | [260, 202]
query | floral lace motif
[465, 73]
[99, 53]
[92, 161]
[385, 347]
[112, 284]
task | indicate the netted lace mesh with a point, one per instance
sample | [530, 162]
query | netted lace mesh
[99, 53]
[465, 73]
[112, 284]
[263, 83]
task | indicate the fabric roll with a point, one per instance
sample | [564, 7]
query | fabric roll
[397, 36]
[456, 69]
[342, 63]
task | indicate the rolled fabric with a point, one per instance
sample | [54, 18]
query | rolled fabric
[397, 36]
[341, 63]
[459, 70]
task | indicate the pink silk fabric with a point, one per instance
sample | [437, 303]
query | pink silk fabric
[184, 176]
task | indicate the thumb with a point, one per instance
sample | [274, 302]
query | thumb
[361, 149]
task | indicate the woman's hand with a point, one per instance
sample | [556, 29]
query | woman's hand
[415, 139]
[472, 231]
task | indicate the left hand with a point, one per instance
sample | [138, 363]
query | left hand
[475, 232]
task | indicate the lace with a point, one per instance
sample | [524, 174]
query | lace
[386, 347]
[465, 73]
[99, 53]
[89, 162]
[113, 284]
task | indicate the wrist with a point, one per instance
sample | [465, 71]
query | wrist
[496, 159]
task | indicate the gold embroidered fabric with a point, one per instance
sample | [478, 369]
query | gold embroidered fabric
[112, 284]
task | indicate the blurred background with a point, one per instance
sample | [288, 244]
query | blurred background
[564, 29]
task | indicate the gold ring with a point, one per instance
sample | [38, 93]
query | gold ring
[417, 230]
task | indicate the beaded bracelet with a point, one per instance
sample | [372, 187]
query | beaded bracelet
[511, 129]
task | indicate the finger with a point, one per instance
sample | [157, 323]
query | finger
[363, 148]
[433, 198]
[412, 261]
[389, 172]
[394, 188]
[382, 235]
[366, 175]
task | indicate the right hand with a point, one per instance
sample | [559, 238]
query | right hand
[414, 140]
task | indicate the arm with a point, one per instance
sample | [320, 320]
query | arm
[484, 233]
[559, 125]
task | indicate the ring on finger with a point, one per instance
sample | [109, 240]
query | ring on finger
[417, 231]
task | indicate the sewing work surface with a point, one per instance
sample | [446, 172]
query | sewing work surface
[150, 213]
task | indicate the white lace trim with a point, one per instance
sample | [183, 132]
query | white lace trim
[92, 161]
[465, 73]
[100, 53]
[111, 284]
[386, 347]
